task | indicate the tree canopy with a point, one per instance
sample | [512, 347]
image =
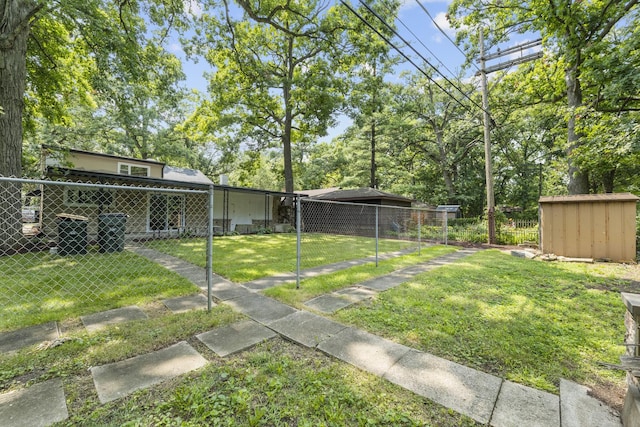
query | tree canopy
[101, 75]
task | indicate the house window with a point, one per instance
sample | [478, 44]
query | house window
[133, 170]
[166, 212]
[87, 197]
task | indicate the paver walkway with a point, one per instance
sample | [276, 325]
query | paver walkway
[330, 303]
[481, 396]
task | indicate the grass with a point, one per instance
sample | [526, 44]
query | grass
[319, 285]
[275, 383]
[246, 258]
[38, 287]
[527, 321]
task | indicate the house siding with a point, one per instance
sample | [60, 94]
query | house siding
[103, 164]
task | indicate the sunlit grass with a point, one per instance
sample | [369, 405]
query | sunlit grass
[275, 384]
[313, 287]
[40, 287]
[249, 257]
[527, 321]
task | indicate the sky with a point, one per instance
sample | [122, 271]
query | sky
[414, 24]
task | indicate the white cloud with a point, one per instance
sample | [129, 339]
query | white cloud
[193, 7]
[175, 48]
[443, 22]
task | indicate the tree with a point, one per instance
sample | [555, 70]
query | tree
[373, 61]
[48, 50]
[439, 128]
[276, 81]
[573, 33]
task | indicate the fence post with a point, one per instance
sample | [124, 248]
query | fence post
[298, 240]
[445, 227]
[377, 226]
[419, 231]
[210, 249]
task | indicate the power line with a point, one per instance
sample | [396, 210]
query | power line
[416, 52]
[420, 41]
[404, 55]
[444, 33]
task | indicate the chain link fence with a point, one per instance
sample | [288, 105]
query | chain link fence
[333, 232]
[70, 248]
[81, 247]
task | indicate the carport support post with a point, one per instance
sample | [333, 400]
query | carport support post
[210, 248]
[298, 241]
[377, 226]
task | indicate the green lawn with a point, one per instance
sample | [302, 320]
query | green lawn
[38, 287]
[528, 321]
[250, 257]
[319, 285]
[276, 383]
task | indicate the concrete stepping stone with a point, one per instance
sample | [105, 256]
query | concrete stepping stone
[387, 282]
[465, 390]
[578, 409]
[236, 337]
[332, 268]
[187, 303]
[329, 303]
[120, 379]
[356, 293]
[41, 404]
[193, 274]
[306, 328]
[98, 321]
[519, 405]
[364, 350]
[260, 308]
[225, 290]
[270, 282]
[21, 338]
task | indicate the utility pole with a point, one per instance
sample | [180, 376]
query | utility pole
[491, 209]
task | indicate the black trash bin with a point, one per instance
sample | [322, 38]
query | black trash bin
[111, 228]
[72, 234]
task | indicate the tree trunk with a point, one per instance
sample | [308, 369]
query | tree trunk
[14, 32]
[608, 179]
[373, 182]
[578, 179]
[444, 166]
[288, 121]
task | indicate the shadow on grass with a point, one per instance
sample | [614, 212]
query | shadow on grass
[527, 321]
[40, 287]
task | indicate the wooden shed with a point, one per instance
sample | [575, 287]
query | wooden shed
[599, 226]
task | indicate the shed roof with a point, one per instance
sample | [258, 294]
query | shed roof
[593, 198]
[448, 208]
[93, 153]
[316, 192]
[193, 176]
[363, 193]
